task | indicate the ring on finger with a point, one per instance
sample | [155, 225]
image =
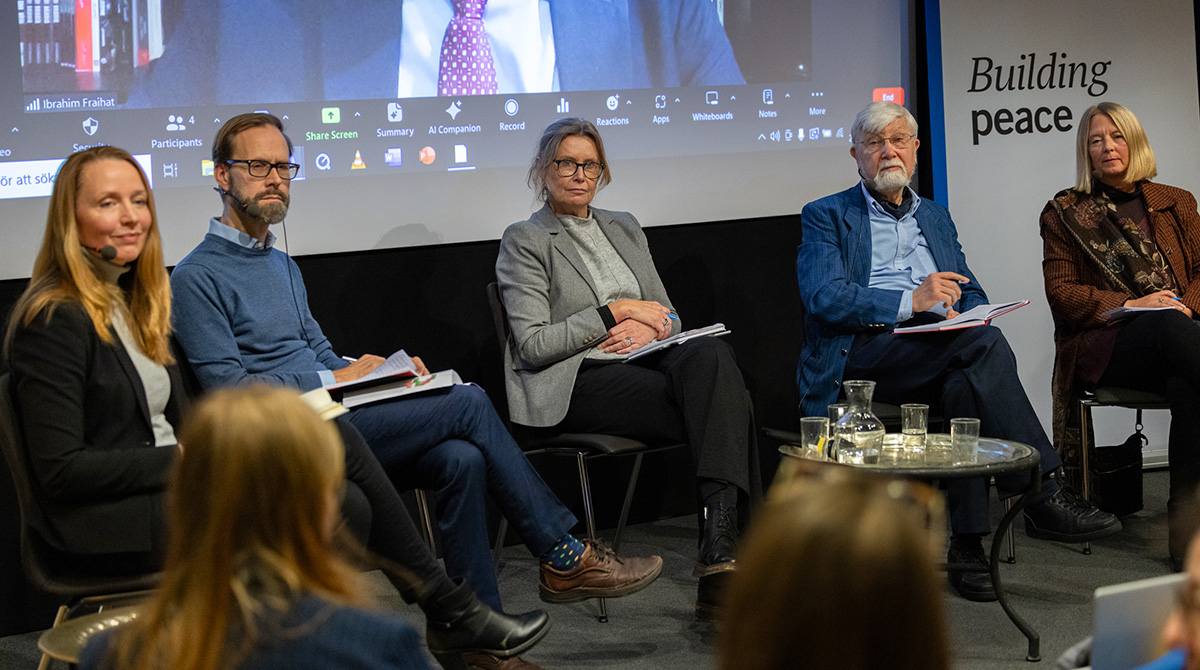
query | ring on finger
[629, 340]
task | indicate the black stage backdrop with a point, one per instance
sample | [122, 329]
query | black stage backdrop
[431, 301]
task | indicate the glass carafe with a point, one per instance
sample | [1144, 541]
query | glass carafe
[858, 435]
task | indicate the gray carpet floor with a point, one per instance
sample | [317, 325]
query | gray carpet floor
[1051, 585]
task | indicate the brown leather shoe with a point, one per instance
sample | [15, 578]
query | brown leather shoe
[489, 662]
[598, 574]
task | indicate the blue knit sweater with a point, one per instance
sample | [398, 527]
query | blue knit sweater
[241, 316]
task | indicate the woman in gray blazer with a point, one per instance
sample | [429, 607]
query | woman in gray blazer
[582, 293]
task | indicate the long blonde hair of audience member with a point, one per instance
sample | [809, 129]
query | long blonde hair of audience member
[251, 505]
[835, 574]
[62, 274]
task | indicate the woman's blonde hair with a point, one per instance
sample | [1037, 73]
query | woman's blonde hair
[1141, 157]
[61, 273]
[837, 573]
[248, 507]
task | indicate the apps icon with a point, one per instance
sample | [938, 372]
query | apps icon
[427, 155]
[331, 115]
[660, 101]
[395, 113]
[392, 157]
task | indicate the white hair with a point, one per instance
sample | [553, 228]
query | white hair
[878, 115]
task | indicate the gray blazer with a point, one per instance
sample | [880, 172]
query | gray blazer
[552, 305]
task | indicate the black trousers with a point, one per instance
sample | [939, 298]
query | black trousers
[1160, 352]
[967, 373]
[691, 393]
[377, 516]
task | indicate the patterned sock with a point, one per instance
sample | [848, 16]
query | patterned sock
[564, 554]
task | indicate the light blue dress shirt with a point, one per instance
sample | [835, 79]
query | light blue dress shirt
[900, 255]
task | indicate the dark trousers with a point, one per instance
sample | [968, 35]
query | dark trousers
[1160, 352]
[377, 516]
[967, 373]
[692, 393]
[454, 443]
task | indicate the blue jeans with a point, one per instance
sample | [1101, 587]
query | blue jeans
[455, 444]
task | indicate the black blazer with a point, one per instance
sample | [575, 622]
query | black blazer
[82, 410]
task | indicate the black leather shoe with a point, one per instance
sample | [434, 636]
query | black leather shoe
[1067, 517]
[718, 539]
[976, 586]
[710, 594]
[458, 623]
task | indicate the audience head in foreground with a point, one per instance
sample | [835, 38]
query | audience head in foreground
[251, 577]
[838, 572]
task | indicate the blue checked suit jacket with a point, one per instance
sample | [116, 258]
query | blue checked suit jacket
[833, 268]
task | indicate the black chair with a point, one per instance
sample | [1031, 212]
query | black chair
[80, 592]
[1107, 396]
[583, 447]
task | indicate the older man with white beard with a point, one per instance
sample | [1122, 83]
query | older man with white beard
[876, 257]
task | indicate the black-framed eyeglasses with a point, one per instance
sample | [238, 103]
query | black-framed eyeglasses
[567, 167]
[875, 145]
[261, 169]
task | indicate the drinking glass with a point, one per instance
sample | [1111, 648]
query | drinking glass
[914, 421]
[964, 440]
[814, 436]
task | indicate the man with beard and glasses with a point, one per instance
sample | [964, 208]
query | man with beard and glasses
[242, 316]
[876, 257]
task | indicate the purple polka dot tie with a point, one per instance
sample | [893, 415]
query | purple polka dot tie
[466, 64]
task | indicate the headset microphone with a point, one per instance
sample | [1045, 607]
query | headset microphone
[107, 252]
[222, 191]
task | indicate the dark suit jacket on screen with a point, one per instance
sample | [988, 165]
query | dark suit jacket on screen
[351, 50]
[82, 410]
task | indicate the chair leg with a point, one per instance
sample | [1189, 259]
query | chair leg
[633, 478]
[1012, 545]
[426, 517]
[500, 533]
[585, 487]
[1085, 417]
[58, 618]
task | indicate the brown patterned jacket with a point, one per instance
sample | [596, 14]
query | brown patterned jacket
[1078, 294]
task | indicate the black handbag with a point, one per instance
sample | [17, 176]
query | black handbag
[1117, 475]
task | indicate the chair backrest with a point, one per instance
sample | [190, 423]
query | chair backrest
[499, 315]
[35, 566]
[15, 454]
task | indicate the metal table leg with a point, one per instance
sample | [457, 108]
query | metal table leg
[1006, 523]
